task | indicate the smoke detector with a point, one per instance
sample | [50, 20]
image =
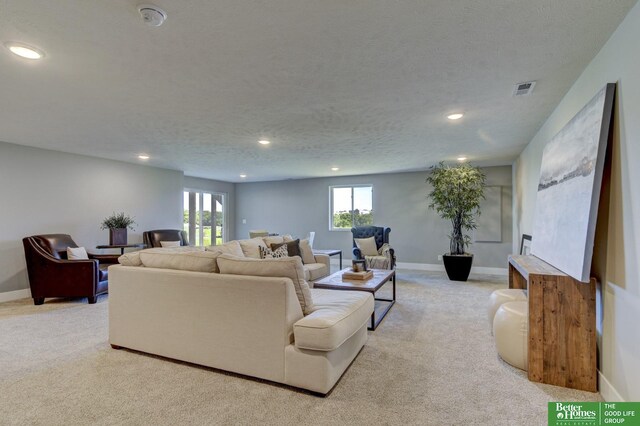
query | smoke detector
[152, 15]
[524, 89]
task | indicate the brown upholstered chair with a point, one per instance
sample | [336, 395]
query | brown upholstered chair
[51, 274]
[153, 238]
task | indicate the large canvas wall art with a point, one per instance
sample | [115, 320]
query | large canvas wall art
[569, 188]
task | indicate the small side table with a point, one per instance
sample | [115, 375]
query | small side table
[330, 252]
[121, 246]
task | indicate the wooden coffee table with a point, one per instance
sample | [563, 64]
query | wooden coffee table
[380, 278]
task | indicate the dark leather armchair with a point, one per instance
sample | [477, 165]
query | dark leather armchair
[52, 275]
[153, 238]
[381, 235]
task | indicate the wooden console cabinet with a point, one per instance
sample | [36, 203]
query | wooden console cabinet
[562, 324]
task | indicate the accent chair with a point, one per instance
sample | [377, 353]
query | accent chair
[51, 274]
[381, 236]
[153, 238]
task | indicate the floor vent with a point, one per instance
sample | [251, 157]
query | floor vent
[524, 89]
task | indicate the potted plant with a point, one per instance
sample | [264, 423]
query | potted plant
[117, 225]
[456, 195]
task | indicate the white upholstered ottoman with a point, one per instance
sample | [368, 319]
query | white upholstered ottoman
[501, 296]
[511, 331]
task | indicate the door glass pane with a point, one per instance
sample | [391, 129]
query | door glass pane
[185, 207]
[206, 219]
[198, 236]
[219, 220]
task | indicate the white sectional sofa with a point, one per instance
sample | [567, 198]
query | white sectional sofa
[237, 320]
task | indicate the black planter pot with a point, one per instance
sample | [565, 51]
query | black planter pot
[458, 267]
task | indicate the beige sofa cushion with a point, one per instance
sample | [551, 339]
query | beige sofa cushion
[130, 259]
[314, 271]
[251, 247]
[133, 258]
[197, 261]
[290, 267]
[231, 247]
[275, 239]
[306, 252]
[337, 316]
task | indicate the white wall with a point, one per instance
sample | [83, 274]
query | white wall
[45, 191]
[618, 242]
[418, 234]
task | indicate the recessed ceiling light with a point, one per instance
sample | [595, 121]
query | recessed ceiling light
[143, 156]
[243, 176]
[462, 159]
[335, 169]
[23, 50]
[264, 142]
[456, 116]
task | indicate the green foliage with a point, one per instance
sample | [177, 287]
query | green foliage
[352, 218]
[456, 195]
[206, 218]
[118, 221]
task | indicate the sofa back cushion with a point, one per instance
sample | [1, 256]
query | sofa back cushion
[231, 247]
[251, 247]
[306, 252]
[274, 239]
[289, 267]
[132, 258]
[197, 261]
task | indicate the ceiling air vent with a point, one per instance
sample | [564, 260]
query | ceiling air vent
[524, 89]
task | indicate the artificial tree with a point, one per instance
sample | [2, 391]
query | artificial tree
[456, 196]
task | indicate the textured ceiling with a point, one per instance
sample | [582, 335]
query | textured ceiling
[361, 85]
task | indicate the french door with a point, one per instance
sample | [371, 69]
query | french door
[205, 217]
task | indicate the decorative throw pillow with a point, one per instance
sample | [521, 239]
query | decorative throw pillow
[306, 252]
[267, 253]
[130, 259]
[77, 253]
[293, 247]
[290, 267]
[166, 244]
[367, 246]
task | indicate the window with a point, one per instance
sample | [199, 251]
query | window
[350, 206]
[205, 218]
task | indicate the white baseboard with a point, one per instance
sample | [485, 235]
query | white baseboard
[431, 267]
[608, 392]
[440, 268]
[15, 295]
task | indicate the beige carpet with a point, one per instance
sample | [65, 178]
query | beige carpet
[430, 362]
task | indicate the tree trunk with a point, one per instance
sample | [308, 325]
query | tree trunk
[457, 239]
